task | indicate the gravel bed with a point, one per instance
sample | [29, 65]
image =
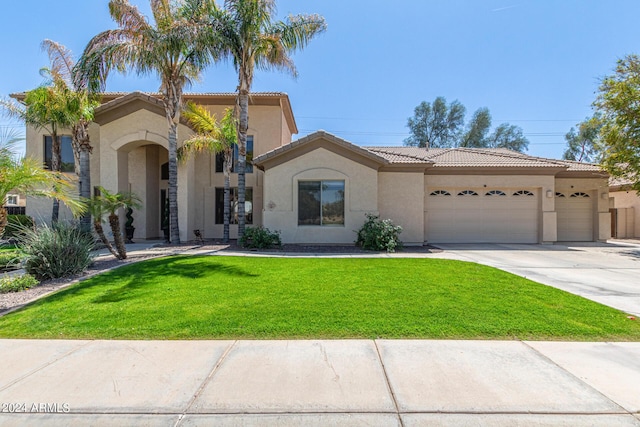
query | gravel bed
[14, 299]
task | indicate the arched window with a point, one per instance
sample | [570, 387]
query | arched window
[523, 193]
[580, 194]
[467, 193]
[496, 193]
[440, 193]
[559, 195]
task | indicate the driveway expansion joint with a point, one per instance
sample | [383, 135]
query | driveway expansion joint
[205, 382]
[388, 383]
[46, 365]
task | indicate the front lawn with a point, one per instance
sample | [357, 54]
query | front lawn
[189, 297]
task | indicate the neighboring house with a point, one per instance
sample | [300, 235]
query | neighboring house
[15, 203]
[625, 210]
[319, 188]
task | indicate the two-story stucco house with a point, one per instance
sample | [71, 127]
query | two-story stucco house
[319, 188]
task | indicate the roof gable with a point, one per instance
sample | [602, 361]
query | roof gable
[314, 141]
[124, 105]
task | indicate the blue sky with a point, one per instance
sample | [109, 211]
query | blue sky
[533, 63]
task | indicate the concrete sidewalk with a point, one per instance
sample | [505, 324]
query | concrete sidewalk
[345, 382]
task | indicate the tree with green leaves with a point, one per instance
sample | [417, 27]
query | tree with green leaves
[254, 40]
[618, 104]
[583, 144]
[108, 203]
[177, 46]
[212, 137]
[436, 125]
[477, 129]
[26, 176]
[81, 104]
[508, 136]
[50, 108]
[440, 126]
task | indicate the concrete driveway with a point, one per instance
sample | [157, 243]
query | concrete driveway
[608, 273]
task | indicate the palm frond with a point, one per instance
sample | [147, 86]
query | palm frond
[200, 118]
[61, 60]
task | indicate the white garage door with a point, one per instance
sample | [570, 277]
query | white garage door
[575, 217]
[482, 216]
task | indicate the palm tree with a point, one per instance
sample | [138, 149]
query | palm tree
[108, 203]
[26, 175]
[97, 210]
[83, 103]
[254, 40]
[176, 46]
[46, 107]
[213, 138]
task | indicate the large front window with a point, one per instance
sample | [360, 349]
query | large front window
[233, 206]
[234, 166]
[67, 163]
[321, 203]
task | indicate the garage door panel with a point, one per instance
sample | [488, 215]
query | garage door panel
[575, 218]
[482, 218]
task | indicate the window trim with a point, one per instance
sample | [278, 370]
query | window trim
[321, 204]
[13, 196]
[232, 196]
[580, 195]
[48, 164]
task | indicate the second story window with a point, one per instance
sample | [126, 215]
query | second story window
[67, 163]
[234, 166]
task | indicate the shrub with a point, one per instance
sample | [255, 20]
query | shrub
[59, 251]
[17, 283]
[10, 259]
[16, 224]
[379, 235]
[260, 238]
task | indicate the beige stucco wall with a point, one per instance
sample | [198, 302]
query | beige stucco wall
[401, 199]
[629, 201]
[281, 196]
[39, 207]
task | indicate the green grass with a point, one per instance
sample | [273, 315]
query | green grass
[239, 297]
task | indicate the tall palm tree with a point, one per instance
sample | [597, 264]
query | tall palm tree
[26, 175]
[254, 40]
[176, 46]
[46, 108]
[83, 102]
[214, 138]
[109, 204]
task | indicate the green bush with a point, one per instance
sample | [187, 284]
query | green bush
[17, 283]
[260, 238]
[16, 224]
[379, 235]
[59, 251]
[10, 259]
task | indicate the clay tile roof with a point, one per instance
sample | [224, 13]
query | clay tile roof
[315, 136]
[465, 157]
[580, 166]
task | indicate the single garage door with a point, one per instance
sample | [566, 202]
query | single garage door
[482, 216]
[575, 217]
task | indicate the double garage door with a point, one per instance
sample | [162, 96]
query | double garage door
[477, 215]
